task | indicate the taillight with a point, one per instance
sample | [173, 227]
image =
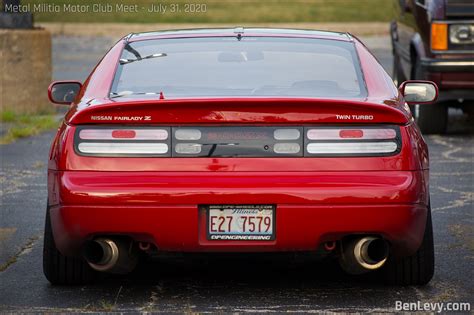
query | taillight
[118, 134]
[352, 141]
[349, 133]
[237, 141]
[144, 141]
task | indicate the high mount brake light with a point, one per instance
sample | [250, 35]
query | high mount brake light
[237, 141]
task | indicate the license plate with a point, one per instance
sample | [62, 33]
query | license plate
[241, 222]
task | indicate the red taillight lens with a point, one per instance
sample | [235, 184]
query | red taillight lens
[351, 134]
[125, 134]
[352, 141]
[342, 134]
[144, 141]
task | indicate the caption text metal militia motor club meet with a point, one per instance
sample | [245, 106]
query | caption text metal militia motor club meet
[85, 8]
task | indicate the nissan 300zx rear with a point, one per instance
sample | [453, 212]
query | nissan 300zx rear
[239, 140]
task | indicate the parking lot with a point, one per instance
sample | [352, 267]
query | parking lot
[241, 283]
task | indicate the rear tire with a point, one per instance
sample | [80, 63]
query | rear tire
[60, 269]
[432, 118]
[417, 269]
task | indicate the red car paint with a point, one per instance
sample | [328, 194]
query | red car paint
[318, 199]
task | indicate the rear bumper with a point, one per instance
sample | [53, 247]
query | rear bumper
[311, 208]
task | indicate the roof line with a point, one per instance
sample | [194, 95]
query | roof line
[232, 29]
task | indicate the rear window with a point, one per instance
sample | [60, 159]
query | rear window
[249, 67]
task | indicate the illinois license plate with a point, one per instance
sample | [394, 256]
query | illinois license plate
[241, 222]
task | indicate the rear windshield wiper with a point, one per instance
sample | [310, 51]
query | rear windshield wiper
[124, 61]
[128, 93]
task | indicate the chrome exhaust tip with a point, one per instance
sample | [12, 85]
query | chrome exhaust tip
[107, 255]
[101, 254]
[364, 254]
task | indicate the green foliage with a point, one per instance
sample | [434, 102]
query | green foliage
[8, 116]
[24, 125]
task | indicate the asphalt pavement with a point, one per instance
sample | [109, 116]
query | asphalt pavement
[231, 283]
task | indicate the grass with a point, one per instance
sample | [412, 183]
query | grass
[216, 11]
[107, 306]
[100, 306]
[24, 125]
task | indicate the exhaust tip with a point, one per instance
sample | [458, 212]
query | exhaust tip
[101, 254]
[371, 252]
[376, 251]
[94, 252]
[117, 255]
[364, 254]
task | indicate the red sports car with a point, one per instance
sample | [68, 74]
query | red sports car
[239, 140]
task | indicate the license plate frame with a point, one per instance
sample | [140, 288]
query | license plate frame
[241, 236]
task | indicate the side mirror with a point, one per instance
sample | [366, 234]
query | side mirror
[419, 92]
[63, 92]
